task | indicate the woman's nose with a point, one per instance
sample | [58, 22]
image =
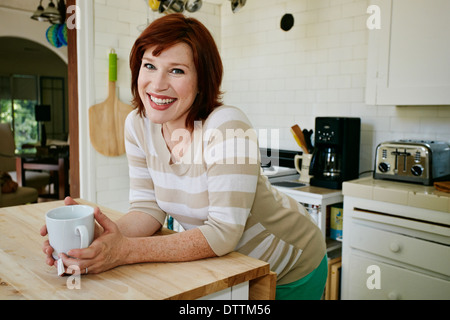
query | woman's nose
[159, 81]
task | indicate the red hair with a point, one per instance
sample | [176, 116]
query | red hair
[176, 28]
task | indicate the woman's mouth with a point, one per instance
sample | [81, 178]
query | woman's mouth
[160, 103]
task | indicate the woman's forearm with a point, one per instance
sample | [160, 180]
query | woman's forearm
[138, 224]
[183, 246]
[141, 246]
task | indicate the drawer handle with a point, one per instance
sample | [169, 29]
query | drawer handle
[395, 246]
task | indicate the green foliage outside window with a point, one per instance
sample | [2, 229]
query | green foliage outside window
[25, 125]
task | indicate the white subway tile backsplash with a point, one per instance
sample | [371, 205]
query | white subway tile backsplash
[328, 41]
[353, 67]
[107, 25]
[106, 39]
[331, 13]
[126, 16]
[105, 12]
[354, 8]
[318, 4]
[405, 124]
[434, 126]
[318, 29]
[120, 4]
[341, 25]
[354, 38]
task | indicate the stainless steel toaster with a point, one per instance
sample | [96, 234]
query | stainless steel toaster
[415, 161]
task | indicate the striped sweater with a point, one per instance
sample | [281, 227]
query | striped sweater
[218, 187]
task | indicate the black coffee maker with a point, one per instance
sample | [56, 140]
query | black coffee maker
[336, 151]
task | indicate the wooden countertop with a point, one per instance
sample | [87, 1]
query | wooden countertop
[24, 274]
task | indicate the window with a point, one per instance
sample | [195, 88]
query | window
[17, 100]
[53, 94]
[18, 96]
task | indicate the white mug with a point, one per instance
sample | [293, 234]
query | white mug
[70, 227]
[304, 170]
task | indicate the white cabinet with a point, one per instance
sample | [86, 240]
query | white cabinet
[408, 59]
[391, 250]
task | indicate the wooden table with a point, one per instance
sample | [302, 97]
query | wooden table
[24, 274]
[58, 164]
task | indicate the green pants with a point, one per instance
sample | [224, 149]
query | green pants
[310, 287]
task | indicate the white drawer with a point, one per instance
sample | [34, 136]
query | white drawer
[395, 282]
[417, 252]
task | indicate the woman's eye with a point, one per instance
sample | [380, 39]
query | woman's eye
[149, 66]
[177, 71]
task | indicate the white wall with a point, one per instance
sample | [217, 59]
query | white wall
[278, 78]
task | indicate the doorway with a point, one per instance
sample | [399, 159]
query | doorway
[30, 75]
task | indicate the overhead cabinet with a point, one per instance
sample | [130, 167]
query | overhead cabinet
[409, 54]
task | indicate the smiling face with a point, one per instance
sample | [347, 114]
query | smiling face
[167, 84]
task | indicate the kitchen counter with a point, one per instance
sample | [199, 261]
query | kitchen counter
[401, 193]
[24, 274]
[396, 241]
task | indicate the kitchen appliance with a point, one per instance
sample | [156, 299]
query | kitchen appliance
[415, 161]
[336, 151]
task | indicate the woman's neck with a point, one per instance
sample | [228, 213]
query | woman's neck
[177, 138]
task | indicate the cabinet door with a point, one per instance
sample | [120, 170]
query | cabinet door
[408, 60]
[394, 283]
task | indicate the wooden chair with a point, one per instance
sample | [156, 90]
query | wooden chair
[35, 181]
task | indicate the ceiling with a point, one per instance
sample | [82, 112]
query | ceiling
[25, 5]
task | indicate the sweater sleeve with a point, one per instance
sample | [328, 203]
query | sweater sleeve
[231, 154]
[142, 191]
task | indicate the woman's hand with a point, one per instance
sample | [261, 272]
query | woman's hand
[106, 252]
[48, 250]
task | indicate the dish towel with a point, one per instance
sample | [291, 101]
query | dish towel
[442, 186]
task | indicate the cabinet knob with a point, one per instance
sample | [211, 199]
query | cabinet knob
[395, 246]
[393, 295]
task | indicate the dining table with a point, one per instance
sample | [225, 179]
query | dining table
[57, 164]
[24, 275]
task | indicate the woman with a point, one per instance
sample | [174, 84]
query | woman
[197, 160]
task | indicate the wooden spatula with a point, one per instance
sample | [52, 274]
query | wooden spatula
[107, 119]
[298, 135]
